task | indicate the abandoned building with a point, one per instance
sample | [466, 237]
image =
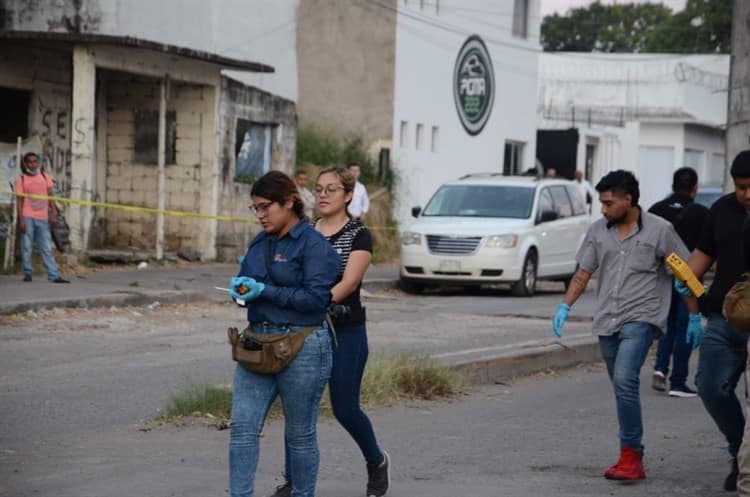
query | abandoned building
[97, 103]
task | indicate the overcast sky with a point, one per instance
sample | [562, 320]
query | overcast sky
[560, 6]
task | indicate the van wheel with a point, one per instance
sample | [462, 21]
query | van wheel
[410, 286]
[526, 286]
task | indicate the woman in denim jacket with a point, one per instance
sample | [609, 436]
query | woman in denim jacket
[303, 269]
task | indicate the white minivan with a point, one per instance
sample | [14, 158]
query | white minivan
[489, 229]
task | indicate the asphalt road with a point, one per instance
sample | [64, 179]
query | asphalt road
[540, 436]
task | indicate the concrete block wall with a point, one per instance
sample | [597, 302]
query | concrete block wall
[132, 183]
[239, 101]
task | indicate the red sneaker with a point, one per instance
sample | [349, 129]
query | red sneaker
[629, 467]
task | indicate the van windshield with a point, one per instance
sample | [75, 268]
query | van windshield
[481, 201]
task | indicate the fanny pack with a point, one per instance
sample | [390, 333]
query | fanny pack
[737, 305]
[266, 354]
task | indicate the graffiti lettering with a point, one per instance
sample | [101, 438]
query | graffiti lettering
[80, 130]
[53, 126]
[62, 118]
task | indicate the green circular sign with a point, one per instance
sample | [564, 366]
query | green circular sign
[473, 85]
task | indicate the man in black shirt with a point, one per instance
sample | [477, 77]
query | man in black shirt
[688, 219]
[723, 352]
[743, 457]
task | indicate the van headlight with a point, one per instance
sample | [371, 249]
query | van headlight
[501, 241]
[411, 238]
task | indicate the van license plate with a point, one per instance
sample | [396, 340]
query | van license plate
[450, 266]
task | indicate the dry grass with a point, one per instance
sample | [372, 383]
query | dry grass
[387, 379]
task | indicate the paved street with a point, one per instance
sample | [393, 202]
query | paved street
[546, 435]
[76, 387]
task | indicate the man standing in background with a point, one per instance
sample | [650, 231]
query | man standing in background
[360, 203]
[35, 217]
[688, 219]
[587, 191]
[300, 179]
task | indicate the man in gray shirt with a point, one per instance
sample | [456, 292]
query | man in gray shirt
[628, 247]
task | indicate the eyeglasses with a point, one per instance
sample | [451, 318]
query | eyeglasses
[260, 209]
[329, 189]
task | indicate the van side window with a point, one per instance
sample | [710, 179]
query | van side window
[562, 201]
[545, 203]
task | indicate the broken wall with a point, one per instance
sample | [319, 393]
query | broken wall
[132, 180]
[241, 105]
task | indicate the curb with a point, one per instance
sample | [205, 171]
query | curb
[117, 299]
[378, 284]
[132, 298]
[530, 360]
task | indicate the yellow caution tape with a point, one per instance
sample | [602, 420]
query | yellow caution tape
[166, 212]
[136, 208]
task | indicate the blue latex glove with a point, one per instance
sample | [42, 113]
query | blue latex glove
[255, 288]
[681, 288]
[559, 320]
[694, 330]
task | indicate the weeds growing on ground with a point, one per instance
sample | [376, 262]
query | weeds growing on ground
[387, 379]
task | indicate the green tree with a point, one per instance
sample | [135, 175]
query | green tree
[603, 28]
[704, 26]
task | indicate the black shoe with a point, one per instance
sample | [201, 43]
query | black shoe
[27, 277]
[379, 477]
[730, 484]
[284, 490]
[683, 391]
[60, 280]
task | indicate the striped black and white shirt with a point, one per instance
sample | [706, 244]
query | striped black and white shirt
[353, 236]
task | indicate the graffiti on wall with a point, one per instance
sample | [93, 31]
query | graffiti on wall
[55, 133]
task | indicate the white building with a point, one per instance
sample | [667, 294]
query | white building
[464, 93]
[650, 114]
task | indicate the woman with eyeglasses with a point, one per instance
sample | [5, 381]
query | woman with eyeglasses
[289, 291]
[352, 241]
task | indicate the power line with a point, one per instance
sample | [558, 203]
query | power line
[450, 28]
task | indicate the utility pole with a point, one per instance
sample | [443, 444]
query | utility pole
[738, 111]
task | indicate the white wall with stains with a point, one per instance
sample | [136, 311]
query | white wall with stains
[254, 30]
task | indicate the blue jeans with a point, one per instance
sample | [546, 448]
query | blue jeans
[38, 231]
[673, 344]
[300, 387]
[624, 354]
[721, 362]
[349, 360]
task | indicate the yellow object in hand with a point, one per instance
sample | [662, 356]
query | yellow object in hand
[682, 272]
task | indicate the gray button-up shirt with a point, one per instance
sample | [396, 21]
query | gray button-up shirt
[634, 281]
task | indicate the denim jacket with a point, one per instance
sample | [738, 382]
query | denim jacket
[303, 269]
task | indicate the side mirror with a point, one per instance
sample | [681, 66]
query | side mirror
[548, 216]
[415, 211]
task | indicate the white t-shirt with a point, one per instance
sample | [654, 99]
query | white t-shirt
[360, 203]
[308, 199]
[586, 189]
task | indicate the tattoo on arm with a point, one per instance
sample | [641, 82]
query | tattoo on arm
[577, 286]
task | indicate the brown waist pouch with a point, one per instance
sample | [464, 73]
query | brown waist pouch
[737, 305]
[266, 354]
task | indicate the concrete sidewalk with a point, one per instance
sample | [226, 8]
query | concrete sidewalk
[121, 287]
